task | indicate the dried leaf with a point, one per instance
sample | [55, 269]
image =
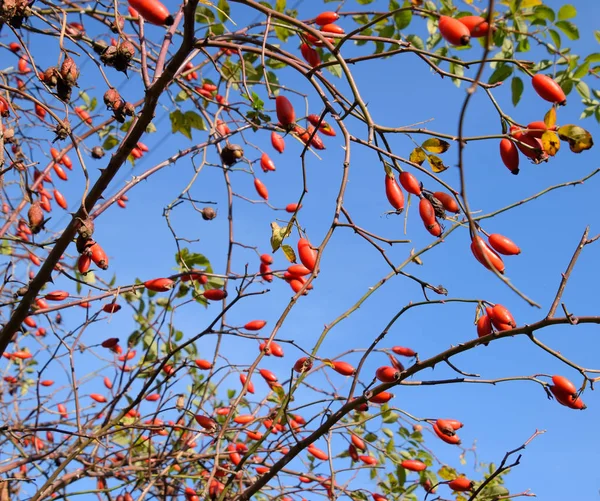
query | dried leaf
[436, 164]
[579, 139]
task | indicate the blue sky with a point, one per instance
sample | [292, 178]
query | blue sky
[400, 91]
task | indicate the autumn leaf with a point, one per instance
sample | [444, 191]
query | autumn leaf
[550, 142]
[579, 139]
[435, 145]
[417, 156]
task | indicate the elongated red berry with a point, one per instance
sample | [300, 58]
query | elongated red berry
[277, 142]
[503, 245]
[159, 284]
[285, 111]
[326, 18]
[153, 11]
[478, 26]
[410, 183]
[509, 155]
[548, 89]
[453, 31]
[393, 192]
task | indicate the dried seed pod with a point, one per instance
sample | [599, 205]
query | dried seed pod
[231, 153]
[97, 152]
[126, 50]
[51, 76]
[62, 130]
[69, 72]
[99, 46]
[112, 99]
[438, 206]
[83, 244]
[208, 213]
[36, 218]
[129, 109]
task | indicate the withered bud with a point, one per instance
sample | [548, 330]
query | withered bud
[86, 228]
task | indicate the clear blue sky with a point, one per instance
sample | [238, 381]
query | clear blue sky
[400, 91]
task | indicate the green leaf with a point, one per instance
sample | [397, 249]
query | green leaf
[178, 124]
[597, 35]
[495, 491]
[5, 249]
[282, 33]
[416, 42]
[435, 145]
[110, 142]
[583, 89]
[335, 70]
[544, 12]
[403, 18]
[569, 29]
[555, 38]
[289, 253]
[223, 10]
[528, 4]
[502, 73]
[183, 95]
[582, 70]
[593, 58]
[566, 12]
[204, 15]
[516, 86]
[195, 120]
[364, 2]
[89, 278]
[188, 260]
[151, 128]
[280, 5]
[579, 139]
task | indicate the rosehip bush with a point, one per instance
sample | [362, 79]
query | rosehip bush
[285, 351]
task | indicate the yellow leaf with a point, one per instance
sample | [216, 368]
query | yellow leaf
[277, 235]
[579, 139]
[447, 473]
[417, 156]
[527, 4]
[290, 255]
[436, 164]
[435, 145]
[550, 142]
[550, 117]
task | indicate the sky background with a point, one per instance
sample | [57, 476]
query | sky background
[399, 92]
